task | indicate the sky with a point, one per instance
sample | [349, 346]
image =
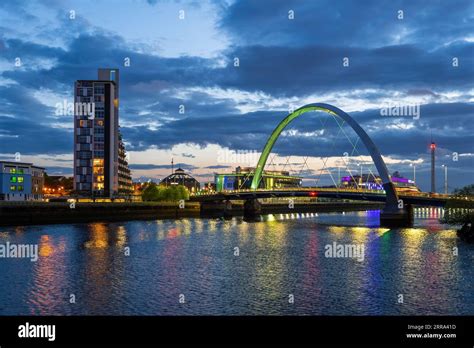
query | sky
[208, 81]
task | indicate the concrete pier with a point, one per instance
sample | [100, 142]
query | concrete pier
[252, 209]
[397, 217]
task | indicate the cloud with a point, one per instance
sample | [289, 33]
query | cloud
[161, 166]
[59, 170]
[188, 155]
[282, 62]
[347, 23]
[217, 167]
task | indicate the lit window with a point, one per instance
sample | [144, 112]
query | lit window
[20, 171]
[20, 179]
[12, 188]
[20, 188]
[13, 179]
[12, 170]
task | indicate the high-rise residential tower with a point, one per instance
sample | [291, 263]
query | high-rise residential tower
[97, 143]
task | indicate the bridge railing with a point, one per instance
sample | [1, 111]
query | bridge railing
[326, 189]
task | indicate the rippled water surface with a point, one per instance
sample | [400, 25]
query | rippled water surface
[281, 256]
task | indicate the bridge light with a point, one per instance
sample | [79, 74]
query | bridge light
[313, 194]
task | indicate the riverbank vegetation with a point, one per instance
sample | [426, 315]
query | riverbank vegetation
[155, 193]
[460, 213]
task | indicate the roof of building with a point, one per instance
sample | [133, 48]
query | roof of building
[101, 81]
[178, 174]
[15, 163]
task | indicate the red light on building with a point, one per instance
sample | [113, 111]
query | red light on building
[433, 146]
[313, 194]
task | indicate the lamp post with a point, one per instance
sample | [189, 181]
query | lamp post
[414, 172]
[445, 178]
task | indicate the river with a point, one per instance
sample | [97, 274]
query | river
[278, 266]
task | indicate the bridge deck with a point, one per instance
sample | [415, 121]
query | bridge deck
[425, 199]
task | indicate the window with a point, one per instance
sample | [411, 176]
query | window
[84, 155]
[99, 89]
[13, 179]
[12, 170]
[20, 171]
[112, 75]
[84, 163]
[85, 92]
[83, 139]
[84, 131]
[20, 179]
[20, 188]
[12, 188]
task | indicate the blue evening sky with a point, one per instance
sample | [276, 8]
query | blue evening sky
[399, 52]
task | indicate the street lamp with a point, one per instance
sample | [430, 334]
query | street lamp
[445, 178]
[414, 172]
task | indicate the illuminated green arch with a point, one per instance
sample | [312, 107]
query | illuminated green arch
[392, 197]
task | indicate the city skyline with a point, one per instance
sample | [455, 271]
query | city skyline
[182, 81]
[186, 164]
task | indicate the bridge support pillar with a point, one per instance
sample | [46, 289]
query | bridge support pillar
[392, 215]
[397, 217]
[252, 209]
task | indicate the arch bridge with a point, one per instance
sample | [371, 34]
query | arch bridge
[395, 212]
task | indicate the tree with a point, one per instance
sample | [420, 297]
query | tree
[151, 193]
[183, 192]
[171, 193]
[465, 191]
[457, 217]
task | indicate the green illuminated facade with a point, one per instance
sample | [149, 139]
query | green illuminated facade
[241, 179]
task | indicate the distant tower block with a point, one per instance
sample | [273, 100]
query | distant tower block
[433, 180]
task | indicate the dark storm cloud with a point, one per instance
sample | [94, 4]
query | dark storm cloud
[23, 122]
[301, 71]
[348, 23]
[13, 48]
[447, 123]
[233, 131]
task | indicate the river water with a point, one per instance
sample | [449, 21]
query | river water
[278, 266]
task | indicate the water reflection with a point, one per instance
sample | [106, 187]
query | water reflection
[45, 292]
[281, 255]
